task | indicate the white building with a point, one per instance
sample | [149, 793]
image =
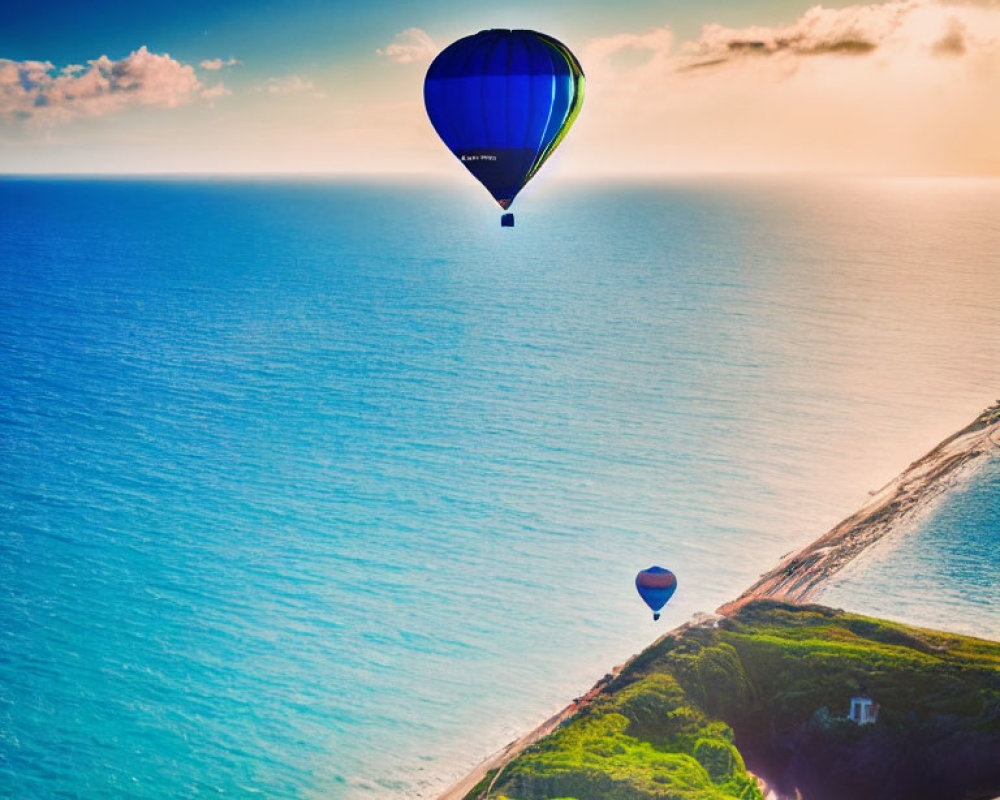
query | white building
[864, 710]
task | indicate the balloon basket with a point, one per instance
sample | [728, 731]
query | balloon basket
[507, 221]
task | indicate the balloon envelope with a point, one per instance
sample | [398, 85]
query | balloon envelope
[656, 586]
[502, 100]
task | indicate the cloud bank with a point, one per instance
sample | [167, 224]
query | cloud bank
[908, 86]
[910, 27]
[34, 90]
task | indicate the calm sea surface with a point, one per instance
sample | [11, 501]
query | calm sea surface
[942, 571]
[318, 490]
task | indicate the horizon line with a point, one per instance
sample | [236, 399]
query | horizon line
[589, 177]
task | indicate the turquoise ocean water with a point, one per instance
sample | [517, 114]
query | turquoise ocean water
[320, 490]
[939, 571]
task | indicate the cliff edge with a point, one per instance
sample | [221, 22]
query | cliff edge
[768, 693]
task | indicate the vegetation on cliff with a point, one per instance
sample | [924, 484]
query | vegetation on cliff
[772, 686]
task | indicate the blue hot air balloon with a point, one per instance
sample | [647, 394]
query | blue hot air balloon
[656, 586]
[502, 101]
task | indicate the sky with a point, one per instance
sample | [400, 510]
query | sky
[905, 87]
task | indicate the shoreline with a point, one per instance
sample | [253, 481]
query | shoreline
[799, 575]
[497, 761]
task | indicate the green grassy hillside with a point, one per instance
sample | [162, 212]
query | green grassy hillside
[769, 690]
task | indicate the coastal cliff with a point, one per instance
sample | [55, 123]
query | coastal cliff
[768, 691]
[757, 699]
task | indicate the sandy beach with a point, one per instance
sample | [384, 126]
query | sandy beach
[799, 575]
[890, 509]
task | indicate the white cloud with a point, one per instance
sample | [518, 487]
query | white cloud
[30, 90]
[212, 92]
[218, 63]
[651, 47]
[409, 47]
[291, 84]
